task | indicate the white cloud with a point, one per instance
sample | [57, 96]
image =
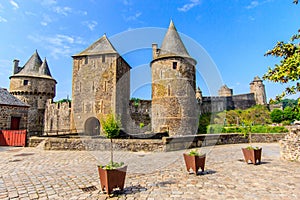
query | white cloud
[90, 24]
[2, 19]
[30, 13]
[46, 20]
[48, 2]
[59, 45]
[127, 2]
[133, 17]
[14, 4]
[253, 4]
[63, 10]
[188, 6]
[251, 18]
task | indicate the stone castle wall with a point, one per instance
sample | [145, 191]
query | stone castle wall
[6, 112]
[140, 117]
[57, 117]
[218, 103]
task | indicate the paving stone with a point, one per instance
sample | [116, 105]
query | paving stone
[61, 174]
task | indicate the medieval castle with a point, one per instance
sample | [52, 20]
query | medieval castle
[101, 84]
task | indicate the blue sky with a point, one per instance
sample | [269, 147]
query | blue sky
[226, 37]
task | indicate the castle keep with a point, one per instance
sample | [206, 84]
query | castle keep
[101, 84]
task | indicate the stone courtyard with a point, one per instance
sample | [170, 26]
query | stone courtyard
[33, 173]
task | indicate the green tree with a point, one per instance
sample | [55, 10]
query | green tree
[288, 70]
[289, 114]
[204, 121]
[276, 116]
[111, 127]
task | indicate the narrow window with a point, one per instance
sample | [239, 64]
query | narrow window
[25, 82]
[103, 58]
[174, 65]
[161, 74]
[86, 60]
[169, 90]
[105, 86]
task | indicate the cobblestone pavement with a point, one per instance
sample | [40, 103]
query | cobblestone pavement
[32, 173]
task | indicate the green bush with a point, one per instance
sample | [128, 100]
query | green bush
[217, 128]
[232, 129]
[278, 129]
[214, 128]
[259, 129]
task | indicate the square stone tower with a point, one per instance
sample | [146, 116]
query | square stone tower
[101, 84]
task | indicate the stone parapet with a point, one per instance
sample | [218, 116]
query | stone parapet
[151, 145]
[177, 143]
[290, 145]
[80, 144]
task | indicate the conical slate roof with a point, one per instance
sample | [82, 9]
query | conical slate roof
[44, 69]
[8, 99]
[172, 43]
[256, 78]
[35, 67]
[101, 46]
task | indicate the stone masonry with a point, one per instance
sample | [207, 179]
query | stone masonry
[57, 117]
[290, 145]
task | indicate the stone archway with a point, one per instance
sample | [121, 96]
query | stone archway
[92, 127]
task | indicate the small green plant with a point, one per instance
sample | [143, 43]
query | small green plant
[194, 153]
[136, 101]
[111, 127]
[112, 165]
[142, 125]
[252, 148]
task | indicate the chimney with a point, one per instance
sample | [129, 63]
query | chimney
[154, 51]
[16, 66]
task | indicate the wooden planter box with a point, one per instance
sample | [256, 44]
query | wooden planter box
[194, 162]
[113, 178]
[253, 155]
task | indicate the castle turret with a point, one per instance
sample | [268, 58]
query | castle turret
[34, 85]
[258, 88]
[100, 85]
[173, 87]
[199, 95]
[224, 91]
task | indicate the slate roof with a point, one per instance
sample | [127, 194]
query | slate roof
[172, 44]
[101, 46]
[224, 87]
[8, 99]
[35, 67]
[256, 78]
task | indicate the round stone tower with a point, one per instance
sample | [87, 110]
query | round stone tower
[34, 85]
[258, 88]
[174, 104]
